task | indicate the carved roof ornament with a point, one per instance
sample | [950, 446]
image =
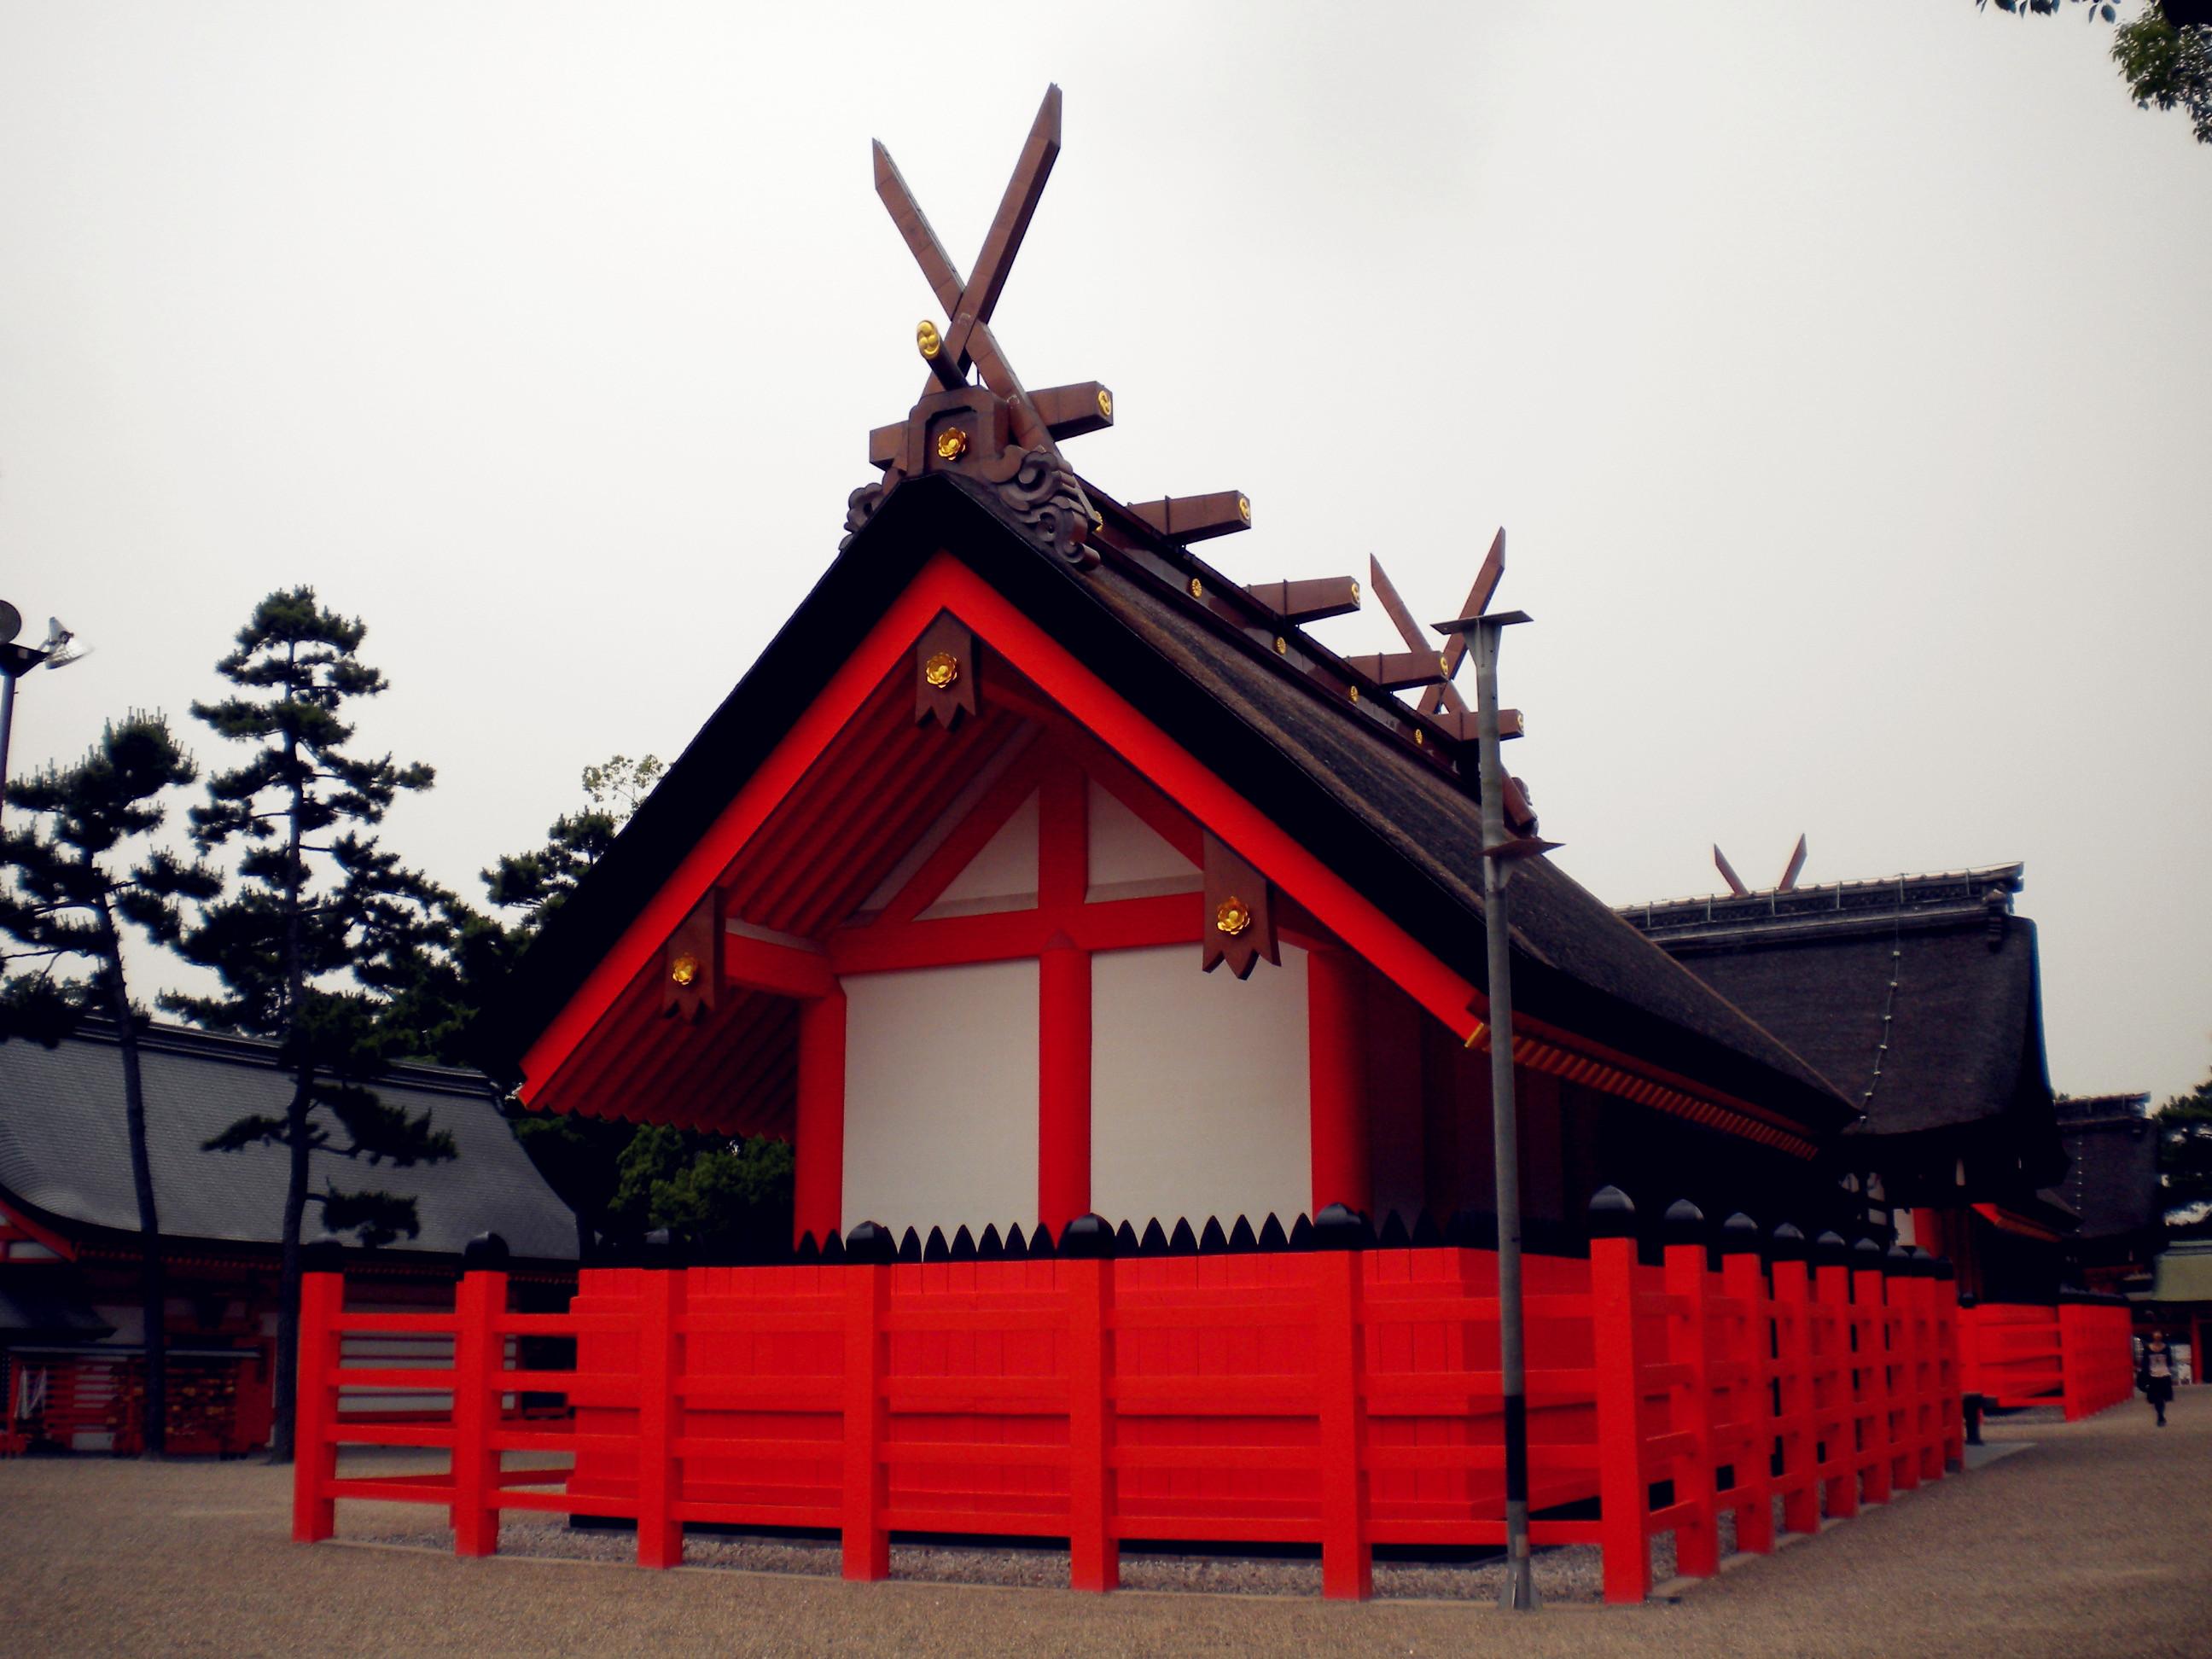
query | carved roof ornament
[999, 438]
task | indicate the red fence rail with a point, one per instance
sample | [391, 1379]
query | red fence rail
[2077, 1355]
[1343, 1399]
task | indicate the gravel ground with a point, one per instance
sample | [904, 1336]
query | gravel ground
[2090, 1542]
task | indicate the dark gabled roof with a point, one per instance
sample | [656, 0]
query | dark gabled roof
[64, 1153]
[1394, 823]
[1963, 1026]
[2112, 1183]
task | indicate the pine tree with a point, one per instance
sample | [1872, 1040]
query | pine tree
[2185, 1159]
[75, 893]
[320, 903]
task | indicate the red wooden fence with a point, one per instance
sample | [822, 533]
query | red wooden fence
[2078, 1355]
[1342, 1399]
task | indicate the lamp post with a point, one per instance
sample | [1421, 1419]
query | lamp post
[1501, 846]
[15, 661]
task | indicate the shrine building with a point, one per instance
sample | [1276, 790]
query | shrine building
[1038, 868]
[1920, 999]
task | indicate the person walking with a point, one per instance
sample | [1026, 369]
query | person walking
[2156, 1377]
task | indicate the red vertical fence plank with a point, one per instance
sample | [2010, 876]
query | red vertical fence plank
[1690, 1408]
[1797, 1429]
[476, 1352]
[322, 1297]
[1836, 1416]
[1870, 1384]
[1950, 1373]
[1347, 1559]
[2073, 1355]
[1904, 1458]
[660, 1311]
[867, 1544]
[1751, 1351]
[1094, 1550]
[1624, 1495]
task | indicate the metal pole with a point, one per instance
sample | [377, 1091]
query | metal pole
[7, 724]
[1519, 1591]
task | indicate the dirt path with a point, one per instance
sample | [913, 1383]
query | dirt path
[2096, 1541]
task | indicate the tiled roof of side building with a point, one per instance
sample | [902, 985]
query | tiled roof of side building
[64, 1153]
[1345, 778]
[1918, 997]
[2113, 1180]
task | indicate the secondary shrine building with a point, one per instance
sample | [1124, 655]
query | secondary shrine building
[935, 893]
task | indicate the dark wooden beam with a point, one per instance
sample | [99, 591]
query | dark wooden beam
[1069, 411]
[1196, 518]
[1308, 601]
[1395, 670]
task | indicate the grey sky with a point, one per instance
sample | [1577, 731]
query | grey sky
[1838, 371]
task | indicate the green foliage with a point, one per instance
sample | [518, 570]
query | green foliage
[536, 883]
[2164, 52]
[2185, 1154]
[330, 947]
[2168, 67]
[71, 895]
[730, 1199]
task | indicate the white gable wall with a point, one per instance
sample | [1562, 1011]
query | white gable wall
[941, 1097]
[1128, 857]
[1200, 1104]
[1003, 874]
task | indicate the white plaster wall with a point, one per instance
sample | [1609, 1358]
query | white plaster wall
[1003, 874]
[1199, 1092]
[1128, 857]
[941, 1098]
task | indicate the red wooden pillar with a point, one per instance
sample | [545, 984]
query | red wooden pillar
[1347, 1558]
[1624, 1494]
[818, 1136]
[1690, 1407]
[1743, 1280]
[1094, 1551]
[1950, 1391]
[660, 1368]
[1063, 1082]
[867, 1541]
[477, 1352]
[315, 1465]
[1337, 1081]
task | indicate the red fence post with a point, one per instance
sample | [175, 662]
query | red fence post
[1837, 1416]
[1624, 1495]
[659, 1416]
[1870, 1372]
[1899, 1405]
[1094, 1552]
[2074, 1350]
[1743, 1280]
[1347, 1560]
[1690, 1403]
[1950, 1369]
[481, 1298]
[1796, 1430]
[867, 1544]
[315, 1455]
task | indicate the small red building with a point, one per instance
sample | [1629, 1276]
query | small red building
[71, 1332]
